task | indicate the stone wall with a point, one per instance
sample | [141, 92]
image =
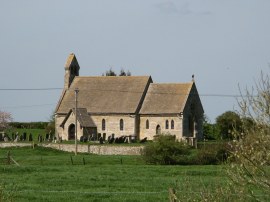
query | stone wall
[93, 149]
[15, 144]
[98, 149]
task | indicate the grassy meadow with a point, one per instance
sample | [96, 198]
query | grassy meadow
[48, 175]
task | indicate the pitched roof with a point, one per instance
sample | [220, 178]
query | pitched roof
[106, 94]
[166, 98]
[82, 116]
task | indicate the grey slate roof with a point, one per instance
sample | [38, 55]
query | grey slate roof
[169, 98]
[105, 94]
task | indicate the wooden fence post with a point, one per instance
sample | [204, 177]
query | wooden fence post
[71, 160]
[83, 161]
[172, 196]
[8, 158]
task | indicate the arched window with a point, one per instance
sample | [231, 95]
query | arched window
[121, 124]
[103, 124]
[167, 124]
[147, 124]
[172, 124]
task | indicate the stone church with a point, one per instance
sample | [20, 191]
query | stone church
[131, 106]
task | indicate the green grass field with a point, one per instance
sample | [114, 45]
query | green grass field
[48, 175]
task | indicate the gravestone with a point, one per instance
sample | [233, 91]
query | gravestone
[30, 138]
[99, 136]
[100, 140]
[16, 139]
[40, 138]
[104, 136]
[47, 137]
[143, 140]
[111, 140]
[5, 139]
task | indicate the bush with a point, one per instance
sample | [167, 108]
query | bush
[165, 150]
[212, 154]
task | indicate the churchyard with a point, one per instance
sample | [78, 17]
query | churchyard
[51, 175]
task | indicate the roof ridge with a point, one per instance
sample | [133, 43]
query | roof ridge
[110, 76]
[172, 83]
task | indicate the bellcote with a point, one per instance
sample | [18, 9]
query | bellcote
[71, 70]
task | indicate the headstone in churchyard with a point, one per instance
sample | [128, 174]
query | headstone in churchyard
[30, 138]
[98, 136]
[116, 140]
[13, 136]
[5, 139]
[81, 139]
[16, 139]
[24, 136]
[47, 137]
[100, 140]
[143, 140]
[111, 140]
[104, 136]
[40, 138]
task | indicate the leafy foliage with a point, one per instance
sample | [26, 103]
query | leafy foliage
[111, 72]
[166, 151]
[29, 125]
[211, 131]
[251, 150]
[50, 128]
[5, 119]
[212, 154]
[227, 123]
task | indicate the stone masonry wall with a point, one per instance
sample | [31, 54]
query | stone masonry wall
[93, 149]
[159, 120]
[98, 149]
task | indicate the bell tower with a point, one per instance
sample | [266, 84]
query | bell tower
[71, 70]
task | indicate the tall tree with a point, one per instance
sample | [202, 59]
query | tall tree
[227, 123]
[111, 72]
[210, 130]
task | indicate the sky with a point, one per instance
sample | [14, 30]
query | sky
[224, 43]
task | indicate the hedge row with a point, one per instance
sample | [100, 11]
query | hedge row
[29, 125]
